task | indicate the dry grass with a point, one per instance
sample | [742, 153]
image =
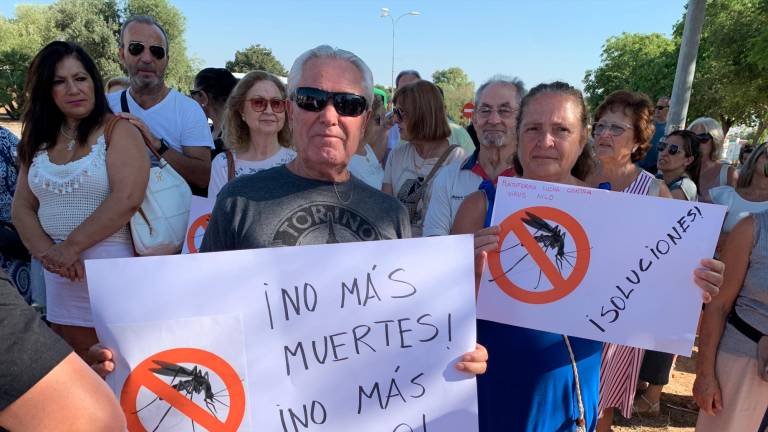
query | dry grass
[675, 402]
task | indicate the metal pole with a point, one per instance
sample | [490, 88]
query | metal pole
[392, 83]
[686, 65]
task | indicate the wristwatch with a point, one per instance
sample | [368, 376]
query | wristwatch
[163, 147]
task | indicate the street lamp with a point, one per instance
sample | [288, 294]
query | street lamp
[385, 13]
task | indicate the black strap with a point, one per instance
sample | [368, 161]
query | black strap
[124, 101]
[744, 327]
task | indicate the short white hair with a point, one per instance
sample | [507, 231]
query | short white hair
[326, 51]
[514, 82]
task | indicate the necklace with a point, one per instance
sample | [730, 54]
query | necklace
[71, 143]
[351, 190]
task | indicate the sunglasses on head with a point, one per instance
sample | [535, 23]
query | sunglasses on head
[136, 48]
[672, 149]
[315, 100]
[259, 104]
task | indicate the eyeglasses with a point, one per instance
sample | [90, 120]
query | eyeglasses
[399, 113]
[703, 137]
[259, 104]
[504, 112]
[672, 149]
[195, 92]
[615, 129]
[136, 48]
[315, 100]
[661, 107]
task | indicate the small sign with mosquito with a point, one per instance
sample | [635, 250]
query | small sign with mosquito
[199, 213]
[180, 380]
[594, 264]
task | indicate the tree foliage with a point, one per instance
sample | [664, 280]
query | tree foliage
[256, 57]
[453, 76]
[731, 83]
[633, 61]
[457, 90]
[93, 24]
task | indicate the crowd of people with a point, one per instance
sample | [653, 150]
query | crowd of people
[328, 141]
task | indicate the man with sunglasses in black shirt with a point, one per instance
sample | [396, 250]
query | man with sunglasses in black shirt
[175, 123]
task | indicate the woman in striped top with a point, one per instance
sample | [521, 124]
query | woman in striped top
[622, 132]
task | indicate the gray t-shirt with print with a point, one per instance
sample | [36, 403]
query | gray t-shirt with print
[278, 208]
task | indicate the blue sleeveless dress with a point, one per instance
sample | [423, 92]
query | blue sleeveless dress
[529, 384]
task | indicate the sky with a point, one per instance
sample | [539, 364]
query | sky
[536, 40]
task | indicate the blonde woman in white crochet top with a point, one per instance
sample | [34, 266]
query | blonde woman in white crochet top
[74, 197]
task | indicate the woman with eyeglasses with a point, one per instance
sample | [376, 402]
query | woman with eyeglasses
[366, 163]
[678, 163]
[536, 380]
[212, 88]
[76, 192]
[256, 134]
[622, 134]
[410, 169]
[713, 172]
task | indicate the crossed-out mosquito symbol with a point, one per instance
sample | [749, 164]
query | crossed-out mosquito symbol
[197, 382]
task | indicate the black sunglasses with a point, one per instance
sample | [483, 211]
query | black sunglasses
[314, 100]
[661, 107]
[703, 137]
[136, 48]
[672, 149]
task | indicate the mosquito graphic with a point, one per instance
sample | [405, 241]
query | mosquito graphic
[197, 382]
[550, 237]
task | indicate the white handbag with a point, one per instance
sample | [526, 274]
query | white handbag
[158, 228]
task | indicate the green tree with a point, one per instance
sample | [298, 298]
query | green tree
[181, 69]
[94, 25]
[453, 76]
[256, 57]
[457, 90]
[633, 61]
[731, 84]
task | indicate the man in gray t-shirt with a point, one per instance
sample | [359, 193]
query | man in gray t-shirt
[252, 213]
[313, 199]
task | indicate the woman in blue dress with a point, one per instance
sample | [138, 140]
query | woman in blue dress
[540, 381]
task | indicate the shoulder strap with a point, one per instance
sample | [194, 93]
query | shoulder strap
[108, 129]
[124, 101]
[230, 165]
[439, 163]
[108, 135]
[724, 174]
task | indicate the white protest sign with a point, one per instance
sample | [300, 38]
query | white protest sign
[354, 336]
[199, 213]
[600, 265]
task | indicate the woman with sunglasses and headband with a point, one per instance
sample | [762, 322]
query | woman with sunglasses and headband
[680, 164]
[74, 196]
[410, 169]
[256, 133]
[713, 172]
